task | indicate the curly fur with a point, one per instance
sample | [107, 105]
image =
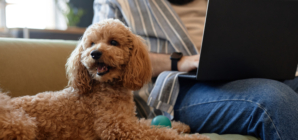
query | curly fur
[92, 106]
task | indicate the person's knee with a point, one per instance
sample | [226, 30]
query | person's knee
[266, 91]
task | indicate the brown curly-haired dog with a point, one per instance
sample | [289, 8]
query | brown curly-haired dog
[106, 66]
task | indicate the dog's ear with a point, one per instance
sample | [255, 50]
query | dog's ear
[78, 76]
[138, 71]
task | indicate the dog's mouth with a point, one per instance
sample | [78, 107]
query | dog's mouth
[102, 68]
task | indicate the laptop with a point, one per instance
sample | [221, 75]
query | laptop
[249, 39]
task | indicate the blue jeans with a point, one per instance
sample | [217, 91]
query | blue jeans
[258, 107]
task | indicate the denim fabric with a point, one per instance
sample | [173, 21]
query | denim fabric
[259, 107]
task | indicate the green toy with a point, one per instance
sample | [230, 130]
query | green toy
[161, 121]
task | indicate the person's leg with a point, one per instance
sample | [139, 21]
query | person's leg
[259, 107]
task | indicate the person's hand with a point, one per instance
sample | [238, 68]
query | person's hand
[188, 63]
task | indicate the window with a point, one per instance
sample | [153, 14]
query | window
[37, 14]
[2, 14]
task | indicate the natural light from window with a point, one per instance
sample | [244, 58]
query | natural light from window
[38, 14]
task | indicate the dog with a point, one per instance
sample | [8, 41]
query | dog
[108, 63]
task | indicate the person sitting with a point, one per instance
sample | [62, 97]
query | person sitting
[259, 107]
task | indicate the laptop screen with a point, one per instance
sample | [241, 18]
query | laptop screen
[249, 39]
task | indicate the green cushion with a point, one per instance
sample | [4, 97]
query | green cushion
[214, 136]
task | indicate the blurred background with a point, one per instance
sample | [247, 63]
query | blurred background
[45, 19]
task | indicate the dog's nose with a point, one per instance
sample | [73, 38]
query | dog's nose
[95, 54]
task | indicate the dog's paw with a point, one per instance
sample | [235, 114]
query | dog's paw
[180, 127]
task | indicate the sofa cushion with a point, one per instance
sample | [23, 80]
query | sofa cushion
[214, 136]
[30, 66]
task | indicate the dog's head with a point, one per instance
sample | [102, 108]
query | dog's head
[109, 53]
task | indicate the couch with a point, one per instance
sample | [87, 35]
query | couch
[30, 66]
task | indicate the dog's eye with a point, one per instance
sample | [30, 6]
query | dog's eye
[114, 43]
[92, 43]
